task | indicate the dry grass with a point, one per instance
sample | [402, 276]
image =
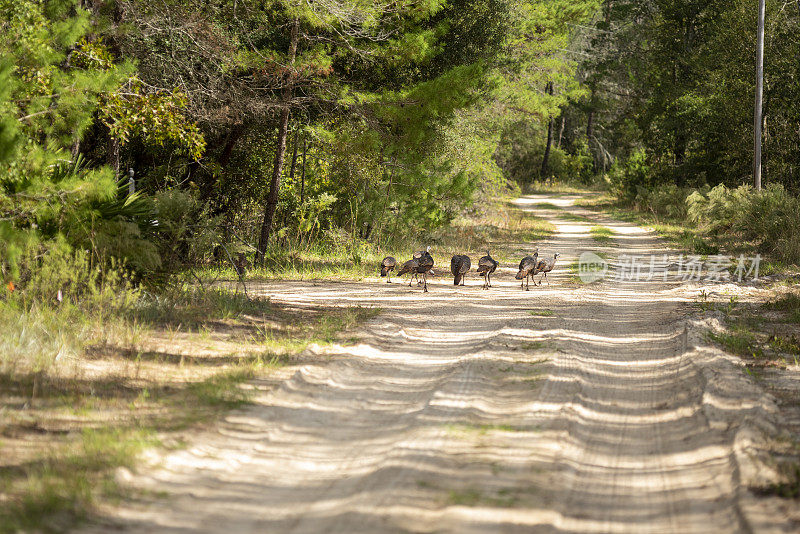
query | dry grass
[499, 222]
[82, 394]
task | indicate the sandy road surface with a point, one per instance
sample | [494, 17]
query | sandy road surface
[460, 411]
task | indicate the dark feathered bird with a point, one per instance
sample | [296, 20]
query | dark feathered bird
[459, 266]
[486, 266]
[526, 268]
[416, 256]
[424, 265]
[409, 267]
[387, 266]
[544, 266]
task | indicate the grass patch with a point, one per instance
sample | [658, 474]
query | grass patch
[223, 389]
[465, 497]
[533, 345]
[323, 328]
[546, 206]
[61, 488]
[785, 344]
[789, 303]
[601, 234]
[574, 271]
[67, 425]
[557, 187]
[574, 217]
[738, 340]
[541, 313]
[192, 305]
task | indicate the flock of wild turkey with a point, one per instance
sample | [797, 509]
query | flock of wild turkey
[422, 264]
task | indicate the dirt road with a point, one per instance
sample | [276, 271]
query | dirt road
[570, 407]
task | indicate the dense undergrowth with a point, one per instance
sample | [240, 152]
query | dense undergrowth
[708, 220]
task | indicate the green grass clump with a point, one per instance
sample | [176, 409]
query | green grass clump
[191, 305]
[472, 497]
[601, 234]
[574, 217]
[465, 497]
[785, 345]
[63, 486]
[541, 313]
[224, 389]
[739, 340]
[790, 303]
[546, 206]
[533, 345]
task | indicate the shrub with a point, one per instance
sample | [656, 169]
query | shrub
[185, 230]
[768, 217]
[718, 208]
[625, 178]
[666, 200]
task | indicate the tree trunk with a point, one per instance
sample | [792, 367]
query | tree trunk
[294, 156]
[303, 174]
[757, 116]
[543, 172]
[234, 135]
[113, 155]
[280, 149]
[561, 128]
[679, 152]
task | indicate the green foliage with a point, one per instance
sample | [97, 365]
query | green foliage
[675, 78]
[185, 230]
[666, 201]
[766, 218]
[626, 178]
[156, 118]
[602, 234]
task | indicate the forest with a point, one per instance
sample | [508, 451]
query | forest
[151, 149]
[277, 126]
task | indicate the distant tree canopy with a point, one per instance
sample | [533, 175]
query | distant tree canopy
[285, 122]
[290, 122]
[675, 79]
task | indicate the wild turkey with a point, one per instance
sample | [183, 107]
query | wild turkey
[409, 267]
[387, 266]
[544, 266]
[416, 256]
[459, 266]
[526, 268]
[424, 265]
[486, 266]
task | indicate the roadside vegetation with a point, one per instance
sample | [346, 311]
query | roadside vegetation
[766, 333]
[86, 383]
[158, 159]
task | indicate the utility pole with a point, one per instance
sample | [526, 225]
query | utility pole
[757, 119]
